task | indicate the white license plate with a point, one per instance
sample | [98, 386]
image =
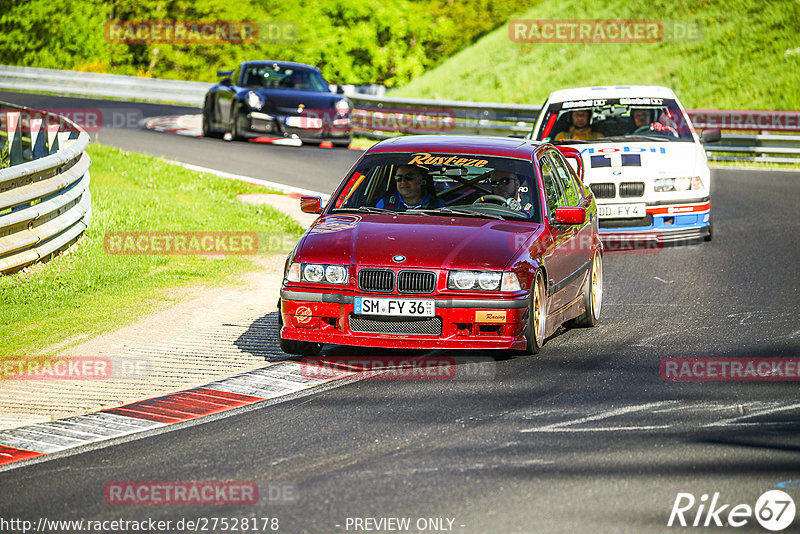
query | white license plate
[311, 123]
[621, 211]
[395, 307]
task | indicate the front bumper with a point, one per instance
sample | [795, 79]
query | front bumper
[260, 124]
[671, 223]
[326, 318]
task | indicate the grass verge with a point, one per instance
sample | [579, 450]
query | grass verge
[87, 291]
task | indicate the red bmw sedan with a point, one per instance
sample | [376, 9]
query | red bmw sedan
[446, 242]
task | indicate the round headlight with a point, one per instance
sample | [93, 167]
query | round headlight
[342, 107]
[464, 279]
[335, 274]
[682, 184]
[489, 281]
[313, 273]
[254, 100]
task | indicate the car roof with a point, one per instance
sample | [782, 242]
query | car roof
[290, 64]
[611, 91]
[509, 147]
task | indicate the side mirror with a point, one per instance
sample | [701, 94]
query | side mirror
[340, 89]
[566, 215]
[224, 73]
[227, 82]
[710, 135]
[311, 205]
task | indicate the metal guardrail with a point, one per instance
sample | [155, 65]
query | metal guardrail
[381, 117]
[45, 203]
[66, 82]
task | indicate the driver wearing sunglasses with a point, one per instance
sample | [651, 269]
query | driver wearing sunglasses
[505, 184]
[411, 194]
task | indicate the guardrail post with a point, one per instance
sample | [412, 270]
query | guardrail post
[14, 138]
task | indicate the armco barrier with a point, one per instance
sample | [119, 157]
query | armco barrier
[382, 117]
[45, 204]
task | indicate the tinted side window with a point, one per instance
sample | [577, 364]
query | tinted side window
[555, 197]
[571, 194]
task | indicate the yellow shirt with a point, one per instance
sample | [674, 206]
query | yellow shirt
[582, 134]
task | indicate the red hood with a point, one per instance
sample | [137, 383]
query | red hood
[425, 241]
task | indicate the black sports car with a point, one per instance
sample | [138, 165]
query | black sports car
[276, 99]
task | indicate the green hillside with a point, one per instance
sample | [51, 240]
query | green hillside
[748, 57]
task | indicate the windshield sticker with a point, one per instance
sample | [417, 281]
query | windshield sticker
[423, 158]
[335, 223]
[582, 104]
[642, 101]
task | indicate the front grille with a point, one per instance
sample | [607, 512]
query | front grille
[603, 190]
[631, 189]
[421, 326]
[416, 282]
[376, 280]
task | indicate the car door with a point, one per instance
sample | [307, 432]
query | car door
[580, 235]
[555, 258]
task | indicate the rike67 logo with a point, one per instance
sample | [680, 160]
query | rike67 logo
[774, 510]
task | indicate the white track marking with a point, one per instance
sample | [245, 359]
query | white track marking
[250, 180]
[559, 427]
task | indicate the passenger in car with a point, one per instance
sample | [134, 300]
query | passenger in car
[580, 129]
[411, 192]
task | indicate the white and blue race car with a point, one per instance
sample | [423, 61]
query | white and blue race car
[642, 158]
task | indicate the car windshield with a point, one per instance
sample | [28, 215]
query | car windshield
[614, 119]
[274, 76]
[457, 185]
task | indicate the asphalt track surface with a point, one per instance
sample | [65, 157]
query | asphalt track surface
[586, 436]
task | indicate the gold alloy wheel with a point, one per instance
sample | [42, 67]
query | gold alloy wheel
[539, 309]
[597, 285]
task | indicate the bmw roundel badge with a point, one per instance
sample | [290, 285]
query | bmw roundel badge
[399, 258]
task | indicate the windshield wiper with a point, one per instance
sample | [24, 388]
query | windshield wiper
[451, 211]
[367, 209]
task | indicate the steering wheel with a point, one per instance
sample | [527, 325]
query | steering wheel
[642, 129]
[491, 198]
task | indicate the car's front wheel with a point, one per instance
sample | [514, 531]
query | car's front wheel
[592, 294]
[291, 346]
[537, 315]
